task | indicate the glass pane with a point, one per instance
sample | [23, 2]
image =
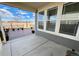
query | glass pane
[69, 27]
[41, 16]
[51, 19]
[50, 26]
[41, 20]
[71, 8]
[40, 24]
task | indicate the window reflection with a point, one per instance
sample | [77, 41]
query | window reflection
[69, 27]
[41, 24]
[71, 7]
[51, 22]
[41, 20]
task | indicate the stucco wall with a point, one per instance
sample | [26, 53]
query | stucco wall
[60, 40]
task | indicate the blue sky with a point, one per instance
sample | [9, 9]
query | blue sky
[23, 15]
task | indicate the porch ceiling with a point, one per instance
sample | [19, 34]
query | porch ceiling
[30, 6]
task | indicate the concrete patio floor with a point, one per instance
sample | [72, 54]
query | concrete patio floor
[32, 45]
[18, 33]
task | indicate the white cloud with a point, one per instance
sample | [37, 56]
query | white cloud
[6, 8]
[33, 14]
[28, 16]
[23, 16]
[6, 12]
[22, 12]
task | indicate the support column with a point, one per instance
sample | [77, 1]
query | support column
[36, 20]
[59, 17]
[0, 38]
[0, 46]
[3, 33]
[2, 30]
[45, 19]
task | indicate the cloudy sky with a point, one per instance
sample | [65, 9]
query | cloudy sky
[22, 15]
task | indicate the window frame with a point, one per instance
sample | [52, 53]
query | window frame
[56, 7]
[40, 20]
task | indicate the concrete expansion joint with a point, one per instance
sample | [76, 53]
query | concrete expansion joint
[36, 47]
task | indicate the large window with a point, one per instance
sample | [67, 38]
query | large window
[69, 27]
[51, 22]
[41, 20]
[71, 8]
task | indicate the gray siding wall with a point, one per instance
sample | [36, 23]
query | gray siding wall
[60, 40]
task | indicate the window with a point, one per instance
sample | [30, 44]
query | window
[71, 8]
[40, 24]
[41, 20]
[51, 22]
[69, 27]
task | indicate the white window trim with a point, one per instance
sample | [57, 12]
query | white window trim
[77, 34]
[45, 19]
[59, 17]
[50, 19]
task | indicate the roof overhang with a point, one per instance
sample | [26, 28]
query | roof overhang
[30, 6]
